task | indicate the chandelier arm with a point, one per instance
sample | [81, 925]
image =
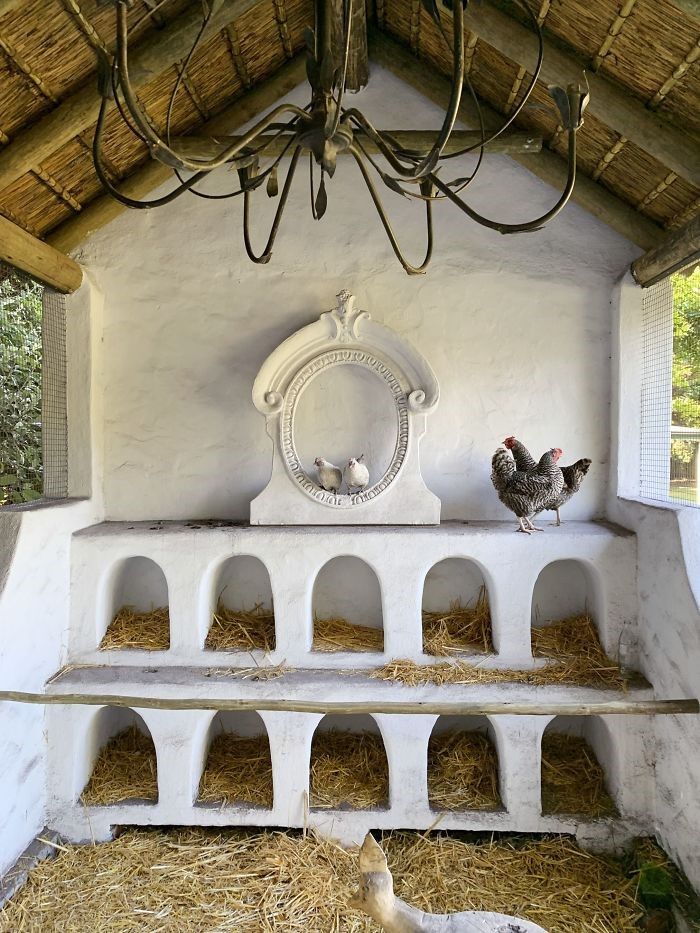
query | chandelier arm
[531, 86]
[267, 252]
[155, 143]
[181, 73]
[114, 192]
[311, 186]
[410, 269]
[530, 225]
[375, 135]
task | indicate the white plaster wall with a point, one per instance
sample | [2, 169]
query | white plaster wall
[668, 596]
[516, 329]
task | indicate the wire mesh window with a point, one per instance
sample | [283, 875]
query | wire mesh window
[33, 424]
[670, 447]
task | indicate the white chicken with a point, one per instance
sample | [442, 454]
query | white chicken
[330, 477]
[356, 474]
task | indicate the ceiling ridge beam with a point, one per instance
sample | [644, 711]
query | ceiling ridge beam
[546, 165]
[24, 251]
[677, 150]
[79, 111]
[103, 209]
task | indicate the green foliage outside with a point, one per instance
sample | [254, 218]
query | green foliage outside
[20, 388]
[686, 360]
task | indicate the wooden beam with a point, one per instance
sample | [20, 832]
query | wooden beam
[104, 208]
[44, 262]
[678, 249]
[205, 147]
[79, 111]
[400, 707]
[547, 165]
[609, 102]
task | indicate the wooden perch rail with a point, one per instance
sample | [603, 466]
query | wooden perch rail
[206, 147]
[401, 707]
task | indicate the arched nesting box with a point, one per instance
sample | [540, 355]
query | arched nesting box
[348, 767]
[237, 766]
[241, 615]
[119, 761]
[578, 759]
[137, 614]
[347, 607]
[463, 772]
[455, 609]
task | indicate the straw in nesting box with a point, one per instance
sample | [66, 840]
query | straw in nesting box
[238, 771]
[573, 782]
[332, 635]
[461, 628]
[125, 769]
[573, 644]
[147, 631]
[462, 772]
[349, 770]
[241, 630]
[197, 880]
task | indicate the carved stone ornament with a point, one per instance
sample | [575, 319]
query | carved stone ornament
[340, 337]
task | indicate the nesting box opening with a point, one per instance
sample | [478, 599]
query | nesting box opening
[238, 767]
[349, 768]
[456, 614]
[574, 782]
[125, 764]
[138, 610]
[242, 617]
[347, 608]
[463, 769]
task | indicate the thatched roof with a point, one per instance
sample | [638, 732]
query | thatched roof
[645, 49]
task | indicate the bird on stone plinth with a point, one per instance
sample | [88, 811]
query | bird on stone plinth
[330, 477]
[356, 474]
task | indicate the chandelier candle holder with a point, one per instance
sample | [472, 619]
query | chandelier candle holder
[346, 339]
[326, 128]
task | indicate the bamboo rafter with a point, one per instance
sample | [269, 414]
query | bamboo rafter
[679, 73]
[469, 51]
[57, 188]
[155, 16]
[613, 33]
[19, 221]
[684, 215]
[608, 157]
[545, 7]
[283, 28]
[414, 37]
[515, 89]
[94, 39]
[85, 140]
[36, 83]
[657, 190]
[234, 46]
[192, 91]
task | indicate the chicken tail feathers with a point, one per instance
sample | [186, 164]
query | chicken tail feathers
[502, 469]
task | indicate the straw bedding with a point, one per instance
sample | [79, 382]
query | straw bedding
[125, 769]
[200, 881]
[349, 770]
[572, 780]
[340, 635]
[238, 771]
[147, 631]
[462, 772]
[241, 630]
[461, 628]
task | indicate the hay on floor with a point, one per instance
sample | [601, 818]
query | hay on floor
[125, 769]
[459, 629]
[574, 646]
[146, 631]
[238, 772]
[340, 635]
[349, 771]
[241, 630]
[462, 772]
[573, 782]
[209, 881]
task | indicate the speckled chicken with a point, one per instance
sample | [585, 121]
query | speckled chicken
[573, 474]
[330, 477]
[527, 492]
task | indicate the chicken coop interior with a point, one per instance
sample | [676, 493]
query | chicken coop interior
[327, 572]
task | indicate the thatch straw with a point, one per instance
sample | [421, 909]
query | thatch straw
[241, 630]
[340, 635]
[203, 881]
[349, 770]
[575, 656]
[461, 628]
[125, 769]
[572, 780]
[462, 772]
[147, 631]
[238, 771]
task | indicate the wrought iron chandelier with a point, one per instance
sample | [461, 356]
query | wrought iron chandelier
[324, 128]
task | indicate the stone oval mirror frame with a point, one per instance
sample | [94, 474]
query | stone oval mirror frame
[343, 337]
